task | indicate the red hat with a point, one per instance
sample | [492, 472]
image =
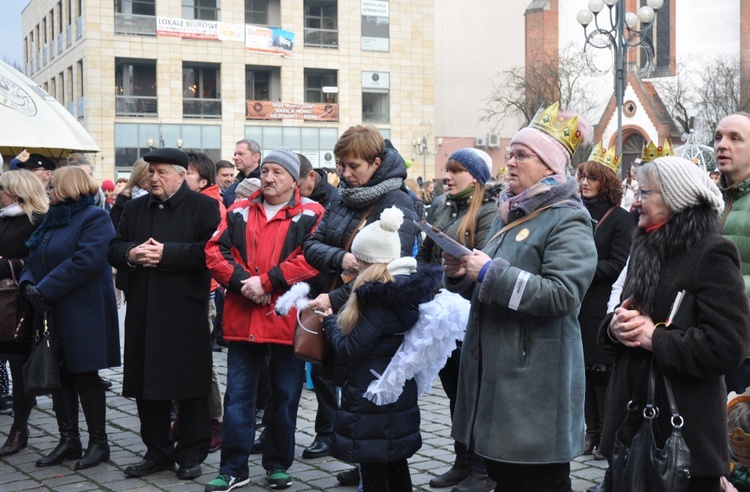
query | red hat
[108, 185]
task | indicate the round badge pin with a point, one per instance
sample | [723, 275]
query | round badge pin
[523, 234]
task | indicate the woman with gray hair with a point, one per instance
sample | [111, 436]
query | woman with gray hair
[678, 247]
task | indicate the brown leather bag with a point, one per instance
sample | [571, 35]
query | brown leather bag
[310, 342]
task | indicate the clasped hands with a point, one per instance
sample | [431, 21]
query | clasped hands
[631, 328]
[252, 288]
[147, 254]
[467, 265]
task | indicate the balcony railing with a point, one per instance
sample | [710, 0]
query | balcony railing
[59, 43]
[321, 38]
[134, 24]
[79, 108]
[201, 108]
[68, 36]
[79, 27]
[52, 50]
[135, 105]
[44, 55]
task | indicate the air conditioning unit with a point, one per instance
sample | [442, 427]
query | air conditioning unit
[327, 159]
[494, 140]
[480, 141]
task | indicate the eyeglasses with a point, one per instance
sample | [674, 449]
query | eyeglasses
[587, 177]
[644, 194]
[519, 155]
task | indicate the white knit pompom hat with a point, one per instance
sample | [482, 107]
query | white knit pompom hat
[379, 242]
[683, 184]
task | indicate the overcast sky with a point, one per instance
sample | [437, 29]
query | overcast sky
[10, 30]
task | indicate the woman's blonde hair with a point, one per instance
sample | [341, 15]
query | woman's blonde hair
[414, 186]
[73, 182]
[24, 185]
[138, 174]
[349, 314]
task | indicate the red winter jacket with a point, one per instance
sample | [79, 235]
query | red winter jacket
[213, 192]
[246, 244]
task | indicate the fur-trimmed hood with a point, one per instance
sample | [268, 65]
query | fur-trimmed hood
[650, 251]
[411, 289]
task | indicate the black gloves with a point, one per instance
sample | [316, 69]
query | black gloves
[35, 298]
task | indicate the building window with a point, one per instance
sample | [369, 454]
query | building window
[314, 143]
[200, 92]
[201, 9]
[376, 97]
[315, 80]
[659, 43]
[132, 139]
[321, 24]
[136, 7]
[256, 12]
[135, 87]
[375, 25]
[263, 83]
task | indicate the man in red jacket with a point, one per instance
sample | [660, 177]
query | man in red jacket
[257, 255]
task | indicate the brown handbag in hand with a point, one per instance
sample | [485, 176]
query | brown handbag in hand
[310, 342]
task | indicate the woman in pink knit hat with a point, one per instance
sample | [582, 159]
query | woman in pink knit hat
[521, 382]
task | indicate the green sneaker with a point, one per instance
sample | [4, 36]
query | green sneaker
[226, 483]
[278, 479]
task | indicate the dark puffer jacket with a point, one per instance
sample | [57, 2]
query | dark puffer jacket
[325, 249]
[365, 432]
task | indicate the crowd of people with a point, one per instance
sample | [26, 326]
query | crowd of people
[570, 279]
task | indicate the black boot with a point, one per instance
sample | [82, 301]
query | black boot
[591, 441]
[65, 405]
[69, 447]
[93, 402]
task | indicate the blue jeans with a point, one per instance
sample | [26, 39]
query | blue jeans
[244, 362]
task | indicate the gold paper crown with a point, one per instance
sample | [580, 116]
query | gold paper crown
[651, 151]
[564, 131]
[605, 157]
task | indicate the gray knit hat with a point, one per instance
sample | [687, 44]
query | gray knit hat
[683, 184]
[285, 158]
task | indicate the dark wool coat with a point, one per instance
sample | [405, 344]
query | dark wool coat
[325, 249]
[694, 357]
[613, 238]
[324, 191]
[167, 336]
[69, 266]
[365, 432]
[14, 231]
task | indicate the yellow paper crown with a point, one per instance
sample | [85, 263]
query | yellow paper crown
[606, 157]
[651, 151]
[564, 131]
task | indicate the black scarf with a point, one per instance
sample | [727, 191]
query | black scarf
[59, 215]
[650, 251]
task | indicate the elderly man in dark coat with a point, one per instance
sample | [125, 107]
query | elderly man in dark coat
[159, 245]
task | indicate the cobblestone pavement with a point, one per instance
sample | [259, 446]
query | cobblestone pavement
[18, 472]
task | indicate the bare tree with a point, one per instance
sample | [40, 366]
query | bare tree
[679, 96]
[702, 93]
[718, 90]
[522, 91]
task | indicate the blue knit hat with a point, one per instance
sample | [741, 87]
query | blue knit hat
[476, 161]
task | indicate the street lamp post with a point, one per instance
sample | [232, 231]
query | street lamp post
[621, 35]
[420, 147]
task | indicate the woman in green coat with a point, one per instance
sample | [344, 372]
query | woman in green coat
[521, 382]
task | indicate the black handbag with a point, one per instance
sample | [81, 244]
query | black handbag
[41, 372]
[640, 460]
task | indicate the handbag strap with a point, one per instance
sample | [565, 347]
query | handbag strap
[650, 411]
[604, 217]
[522, 220]
[12, 273]
[677, 420]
